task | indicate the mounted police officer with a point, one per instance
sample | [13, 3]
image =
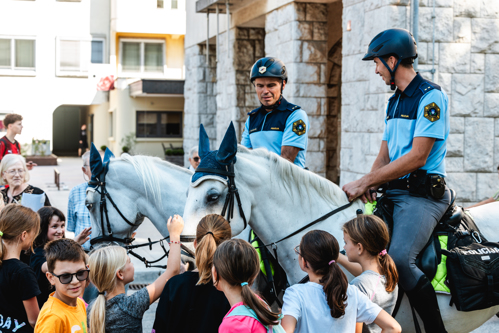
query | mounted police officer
[278, 126]
[411, 161]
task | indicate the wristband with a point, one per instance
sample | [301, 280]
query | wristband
[174, 242]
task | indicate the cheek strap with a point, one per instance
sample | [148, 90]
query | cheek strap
[392, 73]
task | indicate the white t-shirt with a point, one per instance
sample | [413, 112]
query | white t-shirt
[307, 304]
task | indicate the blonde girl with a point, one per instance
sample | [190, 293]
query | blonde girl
[18, 286]
[110, 270]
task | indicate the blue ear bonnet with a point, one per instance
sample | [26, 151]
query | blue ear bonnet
[209, 161]
[98, 167]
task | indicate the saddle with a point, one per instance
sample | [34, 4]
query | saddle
[430, 256]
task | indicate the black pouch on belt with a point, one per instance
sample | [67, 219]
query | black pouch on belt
[435, 186]
[417, 180]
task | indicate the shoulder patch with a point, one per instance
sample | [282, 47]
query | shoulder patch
[253, 111]
[292, 107]
[299, 127]
[432, 112]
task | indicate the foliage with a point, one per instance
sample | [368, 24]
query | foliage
[103, 147]
[174, 152]
[128, 143]
[39, 147]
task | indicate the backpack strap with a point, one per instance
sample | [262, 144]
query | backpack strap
[243, 310]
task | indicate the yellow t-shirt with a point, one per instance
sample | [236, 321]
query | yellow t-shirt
[58, 317]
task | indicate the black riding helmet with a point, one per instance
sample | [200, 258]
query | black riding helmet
[397, 42]
[270, 67]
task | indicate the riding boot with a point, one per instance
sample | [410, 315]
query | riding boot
[424, 300]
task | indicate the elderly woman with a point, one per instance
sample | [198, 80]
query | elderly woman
[15, 177]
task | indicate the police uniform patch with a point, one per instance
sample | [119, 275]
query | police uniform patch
[262, 69]
[432, 112]
[299, 127]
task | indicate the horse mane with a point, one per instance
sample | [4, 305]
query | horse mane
[147, 170]
[292, 175]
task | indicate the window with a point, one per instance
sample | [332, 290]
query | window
[159, 124]
[97, 52]
[160, 4]
[174, 4]
[17, 54]
[111, 124]
[142, 56]
[73, 57]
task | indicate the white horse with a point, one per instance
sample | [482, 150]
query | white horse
[278, 198]
[140, 186]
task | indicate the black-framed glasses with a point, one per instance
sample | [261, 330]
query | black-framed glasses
[68, 277]
[297, 250]
[196, 159]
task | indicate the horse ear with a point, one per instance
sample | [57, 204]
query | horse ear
[96, 165]
[228, 147]
[204, 142]
[108, 155]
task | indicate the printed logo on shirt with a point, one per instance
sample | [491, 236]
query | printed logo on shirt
[299, 127]
[8, 324]
[9, 151]
[77, 328]
[254, 129]
[274, 128]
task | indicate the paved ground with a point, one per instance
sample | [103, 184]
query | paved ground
[71, 175]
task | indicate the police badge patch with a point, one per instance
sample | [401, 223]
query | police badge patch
[262, 69]
[299, 127]
[432, 112]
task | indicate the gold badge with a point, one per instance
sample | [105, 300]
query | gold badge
[299, 127]
[432, 112]
[262, 69]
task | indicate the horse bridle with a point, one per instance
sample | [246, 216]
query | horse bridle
[232, 196]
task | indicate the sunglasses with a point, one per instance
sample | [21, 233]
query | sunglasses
[297, 250]
[196, 159]
[68, 277]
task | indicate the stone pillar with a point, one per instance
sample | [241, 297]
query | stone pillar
[467, 68]
[297, 34]
[199, 93]
[235, 93]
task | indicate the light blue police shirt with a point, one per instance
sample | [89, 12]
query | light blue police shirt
[421, 110]
[285, 126]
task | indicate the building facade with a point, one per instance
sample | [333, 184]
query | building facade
[54, 53]
[322, 43]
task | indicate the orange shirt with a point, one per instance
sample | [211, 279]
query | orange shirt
[58, 317]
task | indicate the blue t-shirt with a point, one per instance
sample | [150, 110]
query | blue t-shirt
[285, 126]
[421, 110]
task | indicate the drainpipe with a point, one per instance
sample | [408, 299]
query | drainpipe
[218, 29]
[415, 27]
[228, 27]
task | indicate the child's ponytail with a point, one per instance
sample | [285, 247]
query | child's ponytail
[104, 263]
[320, 250]
[372, 233]
[237, 262]
[14, 220]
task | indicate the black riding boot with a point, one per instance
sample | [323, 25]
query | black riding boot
[424, 300]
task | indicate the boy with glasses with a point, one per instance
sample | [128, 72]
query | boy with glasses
[64, 311]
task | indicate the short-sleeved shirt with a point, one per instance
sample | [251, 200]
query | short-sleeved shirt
[58, 317]
[240, 324]
[373, 285]
[17, 284]
[308, 305]
[182, 300]
[29, 190]
[36, 262]
[78, 214]
[124, 313]
[496, 196]
[421, 110]
[285, 126]
[9, 147]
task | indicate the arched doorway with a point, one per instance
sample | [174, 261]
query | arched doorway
[67, 120]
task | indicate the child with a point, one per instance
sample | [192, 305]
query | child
[366, 238]
[52, 227]
[327, 303]
[111, 270]
[235, 267]
[192, 294]
[64, 311]
[18, 287]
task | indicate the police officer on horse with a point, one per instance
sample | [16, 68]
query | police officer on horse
[411, 161]
[278, 126]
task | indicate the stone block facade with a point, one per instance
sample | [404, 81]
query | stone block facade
[467, 67]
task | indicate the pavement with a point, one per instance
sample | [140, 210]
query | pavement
[71, 175]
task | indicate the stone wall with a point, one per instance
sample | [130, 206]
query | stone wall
[297, 34]
[466, 62]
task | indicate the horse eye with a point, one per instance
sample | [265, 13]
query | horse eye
[212, 197]
[89, 206]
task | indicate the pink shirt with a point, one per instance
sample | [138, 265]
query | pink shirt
[240, 324]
